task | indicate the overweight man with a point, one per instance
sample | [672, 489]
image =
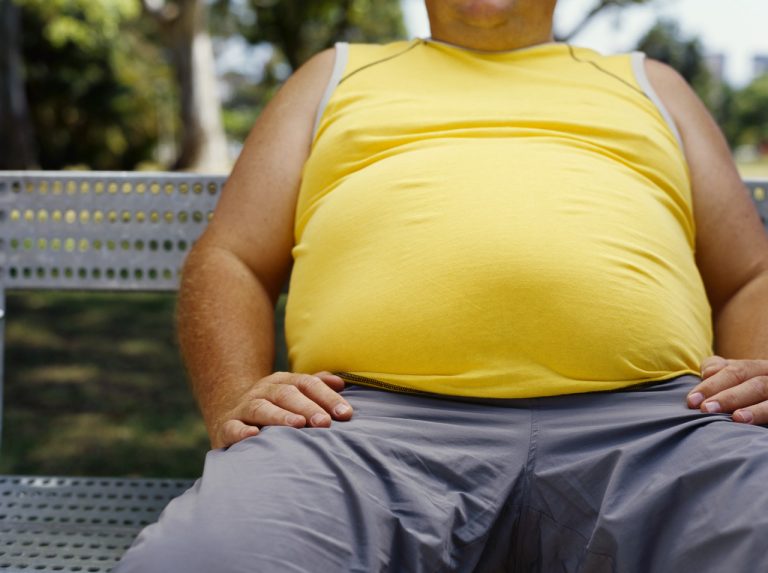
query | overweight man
[527, 320]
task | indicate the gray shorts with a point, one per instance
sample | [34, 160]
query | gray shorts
[626, 481]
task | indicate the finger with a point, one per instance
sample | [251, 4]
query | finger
[712, 365]
[233, 431]
[263, 412]
[335, 382]
[328, 398]
[757, 414]
[736, 372]
[709, 367]
[296, 395]
[748, 393]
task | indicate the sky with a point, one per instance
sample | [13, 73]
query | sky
[736, 28]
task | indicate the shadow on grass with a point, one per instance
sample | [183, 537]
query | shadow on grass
[95, 386]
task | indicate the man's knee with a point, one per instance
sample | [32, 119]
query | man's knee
[158, 549]
[239, 512]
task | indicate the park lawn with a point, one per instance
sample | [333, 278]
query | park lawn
[95, 386]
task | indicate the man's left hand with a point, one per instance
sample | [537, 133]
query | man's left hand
[738, 387]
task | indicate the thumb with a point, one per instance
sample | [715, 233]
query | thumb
[234, 431]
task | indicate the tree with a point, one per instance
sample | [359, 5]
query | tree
[294, 30]
[184, 29]
[299, 29]
[751, 114]
[93, 83]
[17, 152]
[100, 92]
[665, 42]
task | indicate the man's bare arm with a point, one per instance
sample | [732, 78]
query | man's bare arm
[236, 271]
[732, 256]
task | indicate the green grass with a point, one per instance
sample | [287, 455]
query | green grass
[95, 386]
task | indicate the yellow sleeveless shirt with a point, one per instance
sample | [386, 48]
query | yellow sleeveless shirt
[507, 225]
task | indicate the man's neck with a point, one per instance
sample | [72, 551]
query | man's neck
[492, 27]
[492, 42]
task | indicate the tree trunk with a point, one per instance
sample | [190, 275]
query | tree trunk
[17, 140]
[203, 145]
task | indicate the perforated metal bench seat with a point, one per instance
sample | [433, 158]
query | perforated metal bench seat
[99, 232]
[75, 524]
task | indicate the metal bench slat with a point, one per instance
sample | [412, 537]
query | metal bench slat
[76, 524]
[100, 230]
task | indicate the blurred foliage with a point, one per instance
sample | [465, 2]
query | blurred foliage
[299, 29]
[102, 93]
[751, 114]
[96, 82]
[248, 98]
[666, 43]
[244, 105]
[742, 113]
[87, 24]
[295, 30]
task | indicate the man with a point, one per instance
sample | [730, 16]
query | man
[513, 249]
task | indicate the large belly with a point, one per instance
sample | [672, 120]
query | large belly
[523, 275]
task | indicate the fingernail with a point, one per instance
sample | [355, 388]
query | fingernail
[319, 419]
[341, 409]
[695, 399]
[744, 416]
[713, 407]
[294, 420]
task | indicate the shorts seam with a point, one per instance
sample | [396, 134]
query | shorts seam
[527, 480]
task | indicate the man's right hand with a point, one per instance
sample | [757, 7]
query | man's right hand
[283, 399]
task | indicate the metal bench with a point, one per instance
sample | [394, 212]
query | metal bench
[99, 232]
[90, 232]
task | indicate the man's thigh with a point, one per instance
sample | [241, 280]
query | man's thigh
[635, 481]
[409, 484]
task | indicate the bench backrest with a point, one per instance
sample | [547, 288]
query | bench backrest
[116, 230]
[100, 231]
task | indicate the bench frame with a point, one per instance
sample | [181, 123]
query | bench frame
[99, 231]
